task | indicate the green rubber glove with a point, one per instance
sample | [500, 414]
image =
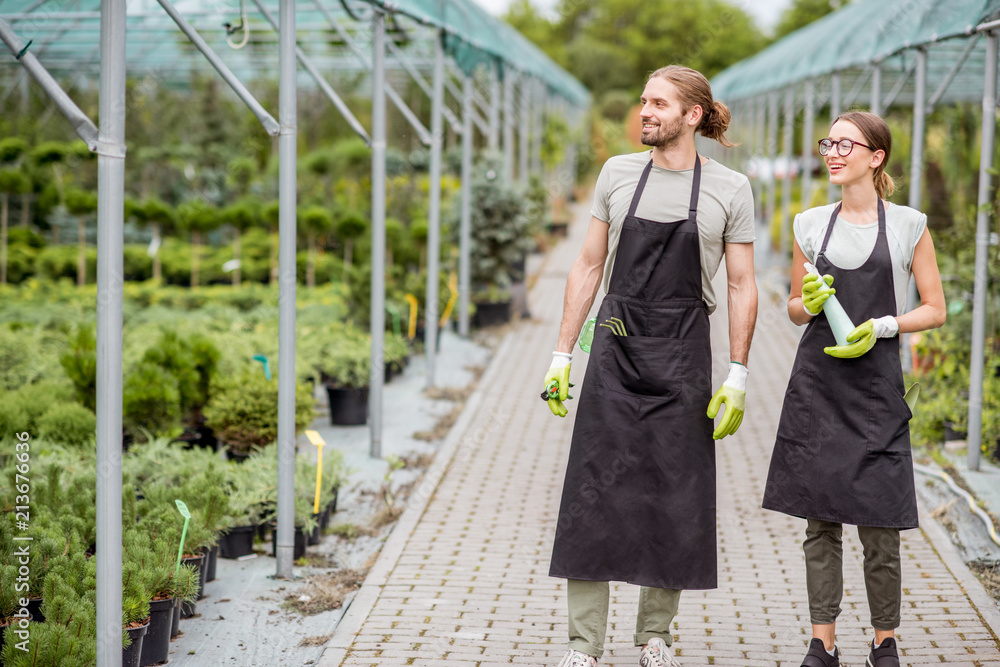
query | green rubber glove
[860, 341]
[815, 292]
[559, 375]
[733, 394]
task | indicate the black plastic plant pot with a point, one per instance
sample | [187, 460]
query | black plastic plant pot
[188, 608]
[314, 535]
[324, 517]
[203, 573]
[348, 405]
[238, 542]
[131, 655]
[237, 456]
[332, 506]
[213, 558]
[175, 619]
[298, 549]
[35, 609]
[156, 643]
[491, 314]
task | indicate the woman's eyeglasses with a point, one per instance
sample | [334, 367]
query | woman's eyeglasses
[844, 146]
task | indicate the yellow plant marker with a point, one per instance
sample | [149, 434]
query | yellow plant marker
[316, 439]
[411, 331]
[453, 288]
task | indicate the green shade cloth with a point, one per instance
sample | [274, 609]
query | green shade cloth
[66, 39]
[865, 32]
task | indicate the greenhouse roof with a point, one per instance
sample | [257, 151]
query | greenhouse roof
[66, 38]
[867, 32]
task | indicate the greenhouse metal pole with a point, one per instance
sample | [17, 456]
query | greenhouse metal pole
[508, 127]
[82, 125]
[378, 234]
[772, 155]
[916, 178]
[876, 100]
[760, 146]
[110, 269]
[434, 214]
[524, 126]
[808, 131]
[831, 189]
[287, 117]
[465, 224]
[982, 252]
[493, 139]
[237, 86]
[786, 188]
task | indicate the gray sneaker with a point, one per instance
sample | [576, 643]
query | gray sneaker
[578, 659]
[657, 654]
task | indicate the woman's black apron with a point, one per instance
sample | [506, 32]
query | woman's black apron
[843, 447]
[638, 502]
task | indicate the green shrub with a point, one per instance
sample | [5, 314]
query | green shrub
[138, 265]
[243, 411]
[80, 364]
[36, 399]
[150, 401]
[345, 358]
[12, 419]
[68, 423]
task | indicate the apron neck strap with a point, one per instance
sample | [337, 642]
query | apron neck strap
[833, 219]
[639, 188]
[695, 189]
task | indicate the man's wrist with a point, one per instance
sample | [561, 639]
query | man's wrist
[561, 359]
[737, 376]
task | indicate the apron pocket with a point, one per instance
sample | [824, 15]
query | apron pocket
[888, 419]
[644, 366]
[796, 410]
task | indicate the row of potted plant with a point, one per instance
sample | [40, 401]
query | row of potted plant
[222, 498]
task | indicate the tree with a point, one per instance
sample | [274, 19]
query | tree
[803, 12]
[610, 44]
[197, 217]
[160, 217]
[12, 153]
[241, 216]
[350, 227]
[12, 181]
[315, 220]
[270, 213]
[80, 204]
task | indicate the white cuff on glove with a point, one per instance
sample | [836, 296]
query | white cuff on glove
[886, 327]
[737, 376]
[561, 359]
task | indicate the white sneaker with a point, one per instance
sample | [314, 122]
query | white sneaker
[578, 659]
[657, 654]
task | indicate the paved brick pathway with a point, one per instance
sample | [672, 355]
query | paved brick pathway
[465, 583]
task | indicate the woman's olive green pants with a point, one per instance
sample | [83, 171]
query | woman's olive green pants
[824, 551]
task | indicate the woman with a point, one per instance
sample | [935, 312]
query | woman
[842, 453]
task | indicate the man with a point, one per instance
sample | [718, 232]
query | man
[638, 503]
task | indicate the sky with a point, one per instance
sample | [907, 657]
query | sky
[766, 12]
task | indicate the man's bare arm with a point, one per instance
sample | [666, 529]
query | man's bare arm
[582, 284]
[742, 299]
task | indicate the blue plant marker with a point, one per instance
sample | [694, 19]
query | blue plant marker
[267, 369]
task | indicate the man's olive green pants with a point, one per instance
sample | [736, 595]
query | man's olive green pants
[588, 615]
[824, 551]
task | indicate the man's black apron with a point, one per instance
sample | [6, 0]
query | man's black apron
[843, 447]
[638, 502]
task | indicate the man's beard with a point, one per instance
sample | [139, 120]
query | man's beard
[663, 136]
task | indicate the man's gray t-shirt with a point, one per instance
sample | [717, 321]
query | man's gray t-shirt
[851, 245]
[725, 207]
